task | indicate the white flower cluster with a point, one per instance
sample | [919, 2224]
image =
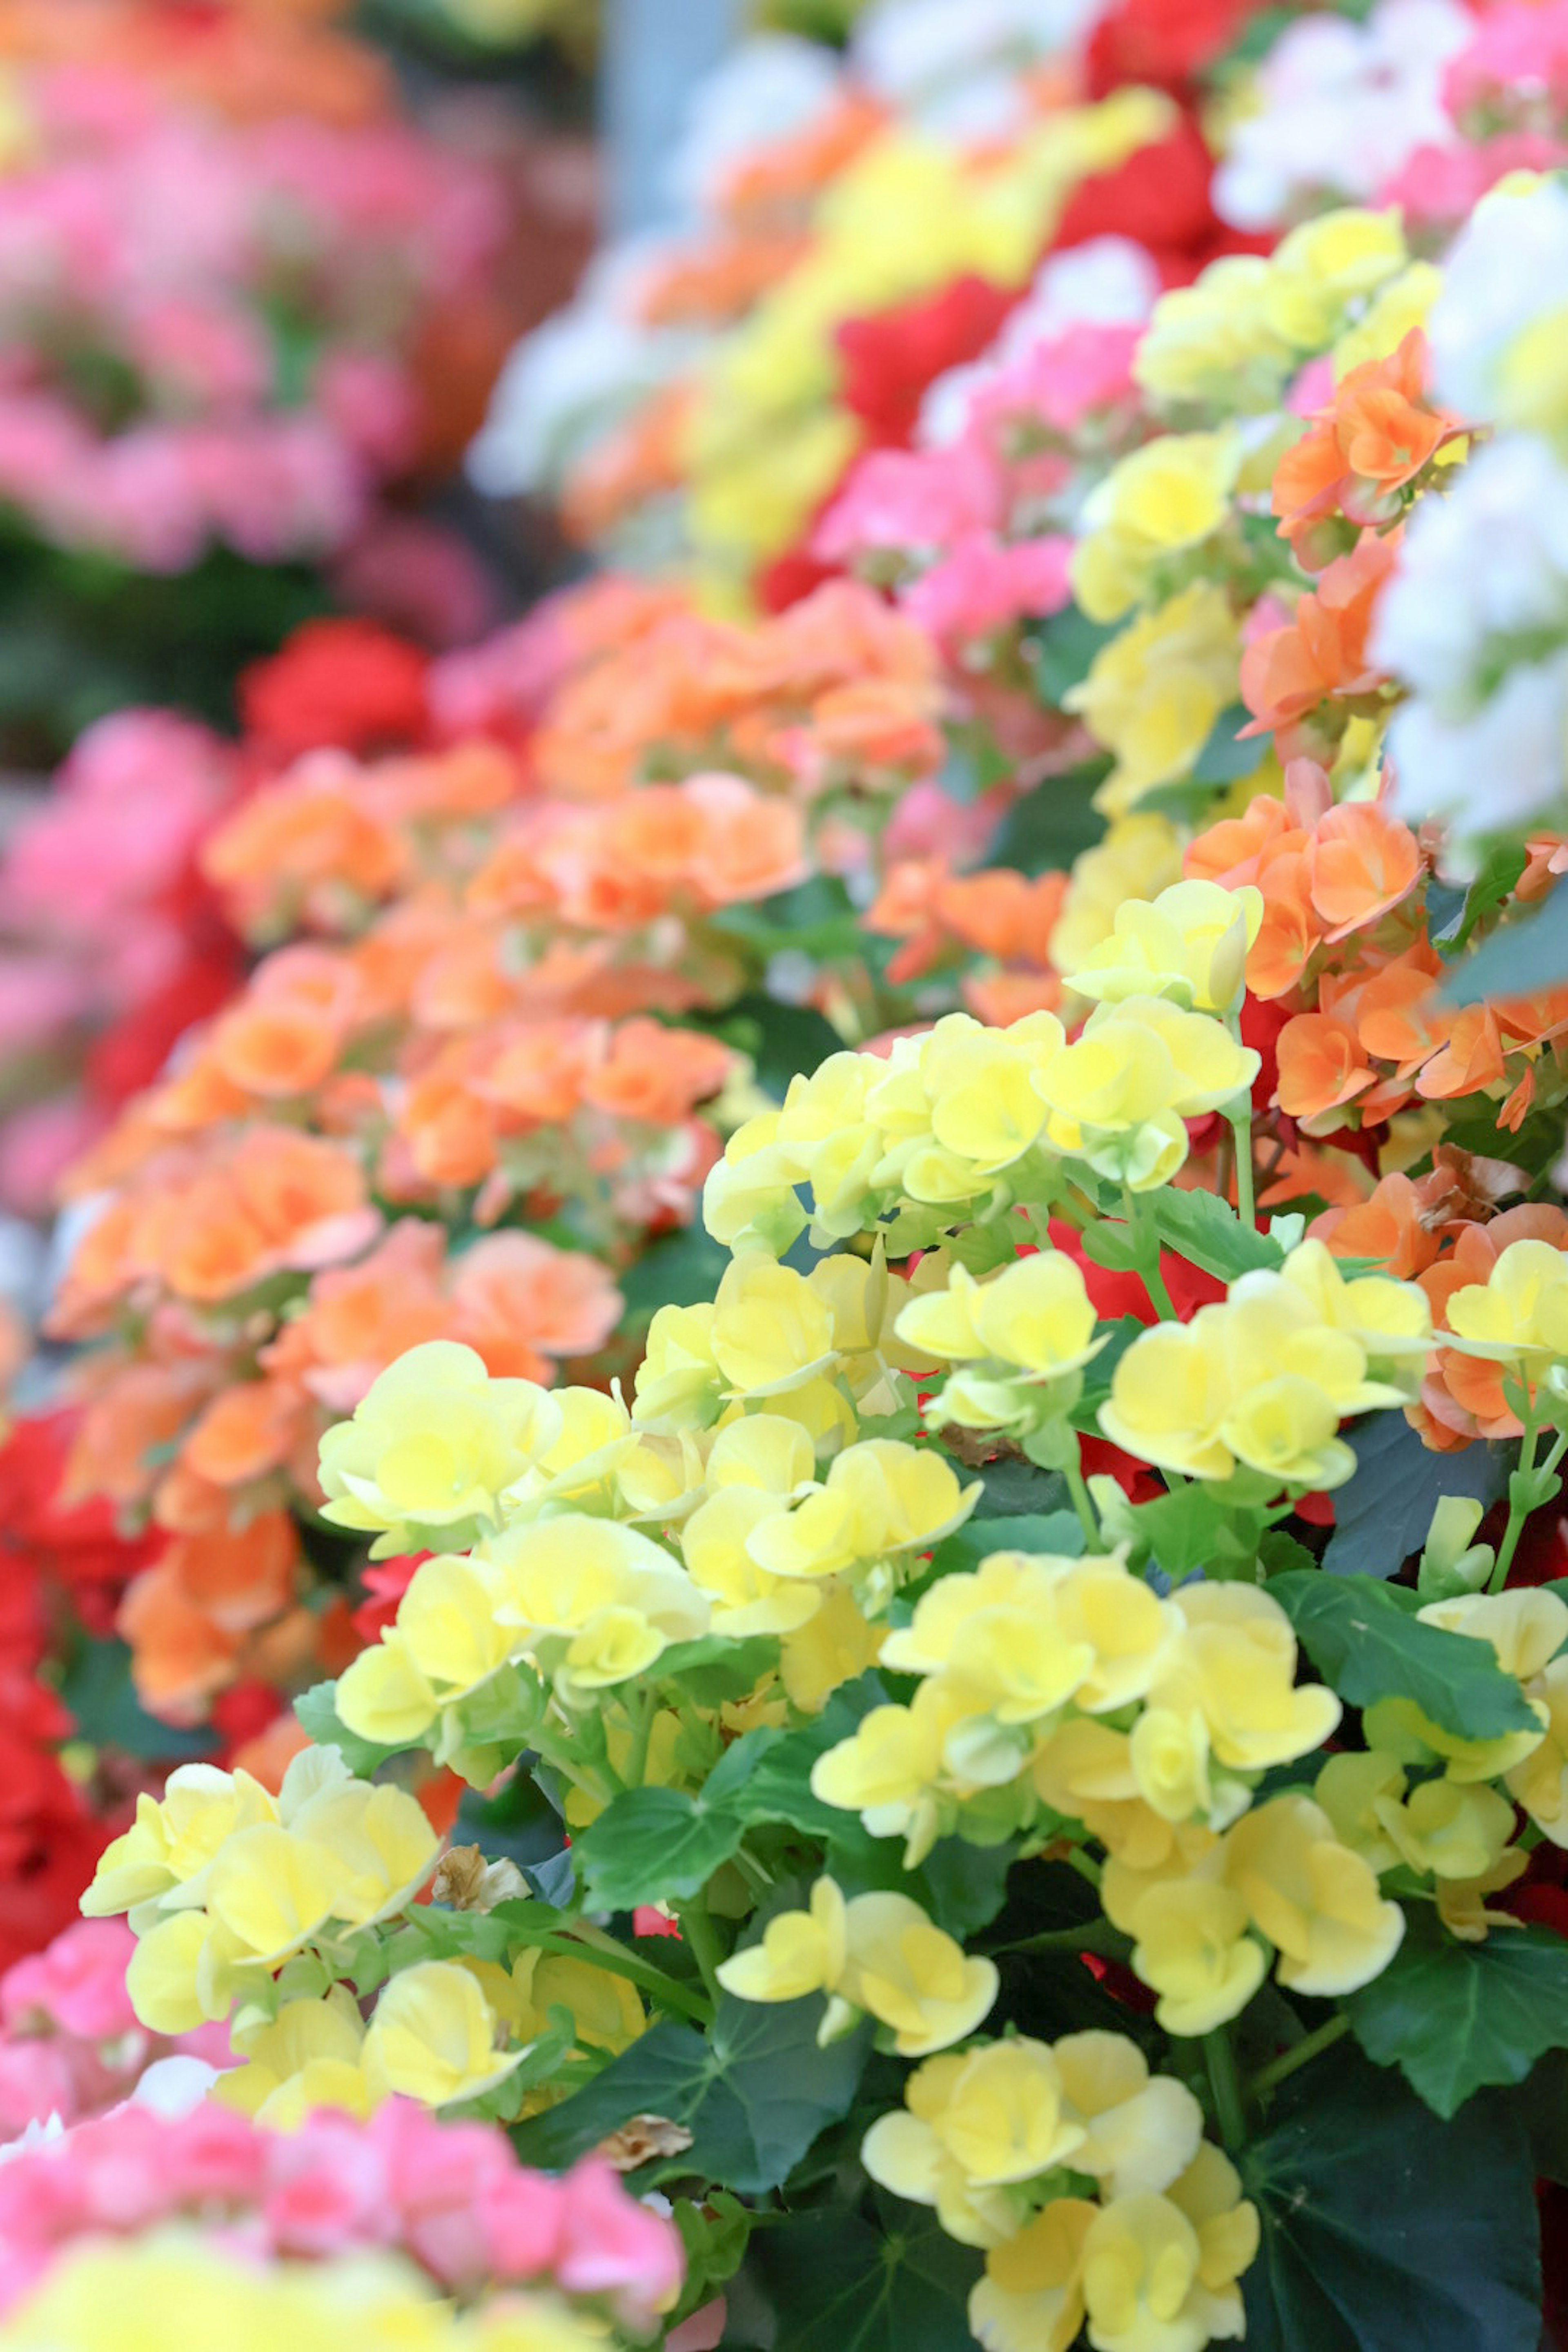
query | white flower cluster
[1474, 622]
[1340, 108]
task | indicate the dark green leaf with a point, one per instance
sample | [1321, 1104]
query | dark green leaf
[1206, 1232]
[1228, 756]
[789, 1038]
[753, 2094]
[1064, 652]
[1454, 2017]
[963, 1887]
[1051, 825]
[1193, 1529]
[319, 1717]
[682, 1270]
[100, 1697]
[1384, 2230]
[1017, 1490]
[1519, 959]
[766, 1776]
[653, 1845]
[1383, 1513]
[837, 2284]
[1055, 1532]
[1367, 1644]
[1451, 924]
[715, 1669]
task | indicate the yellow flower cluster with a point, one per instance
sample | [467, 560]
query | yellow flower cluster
[945, 1121]
[1023, 1337]
[911, 214]
[176, 2292]
[1231, 340]
[1156, 505]
[1189, 944]
[1152, 694]
[874, 1955]
[1519, 1317]
[225, 1883]
[1263, 1379]
[1013, 2142]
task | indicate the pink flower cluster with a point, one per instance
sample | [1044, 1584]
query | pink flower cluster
[963, 529]
[70, 2045]
[206, 330]
[1506, 93]
[451, 2197]
[111, 942]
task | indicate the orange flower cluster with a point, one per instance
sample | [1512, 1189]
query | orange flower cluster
[500, 968]
[996, 913]
[1345, 947]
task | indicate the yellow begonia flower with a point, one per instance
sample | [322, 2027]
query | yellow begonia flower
[1141, 2130]
[1315, 1899]
[590, 1601]
[1401, 305]
[1031, 2298]
[1153, 695]
[1035, 1316]
[1520, 1312]
[974, 2124]
[379, 1838]
[1213, 342]
[383, 1696]
[746, 1599]
[880, 1498]
[1540, 1782]
[835, 1645]
[1262, 1378]
[1119, 1097]
[1236, 1664]
[169, 1850]
[1192, 1947]
[877, 1953]
[679, 1381]
[1158, 2271]
[1449, 1829]
[271, 1891]
[1166, 497]
[306, 2057]
[432, 2038]
[1355, 1791]
[165, 1977]
[1322, 268]
[1190, 945]
[1138, 857]
[434, 1443]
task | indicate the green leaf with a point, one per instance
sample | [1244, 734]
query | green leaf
[1367, 1644]
[1063, 652]
[99, 1693]
[1454, 2017]
[1384, 2229]
[1194, 1528]
[789, 1038]
[683, 1270]
[653, 1845]
[766, 1776]
[1206, 1232]
[839, 2284]
[1383, 1513]
[963, 1885]
[318, 1716]
[715, 1669]
[1227, 756]
[1051, 825]
[1055, 1532]
[1453, 913]
[1017, 1490]
[753, 2094]
[1519, 959]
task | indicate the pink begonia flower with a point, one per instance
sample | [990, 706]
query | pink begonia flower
[504, 686]
[369, 399]
[75, 1985]
[37, 2080]
[909, 500]
[200, 353]
[929, 823]
[703, 2332]
[418, 577]
[612, 2245]
[1058, 381]
[37, 1145]
[984, 585]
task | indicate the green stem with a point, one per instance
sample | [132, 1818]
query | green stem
[1246, 1191]
[697, 1929]
[1095, 1936]
[1085, 1864]
[642, 1715]
[1516, 1515]
[591, 1945]
[1072, 1471]
[1225, 2085]
[1300, 2053]
[1146, 1243]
